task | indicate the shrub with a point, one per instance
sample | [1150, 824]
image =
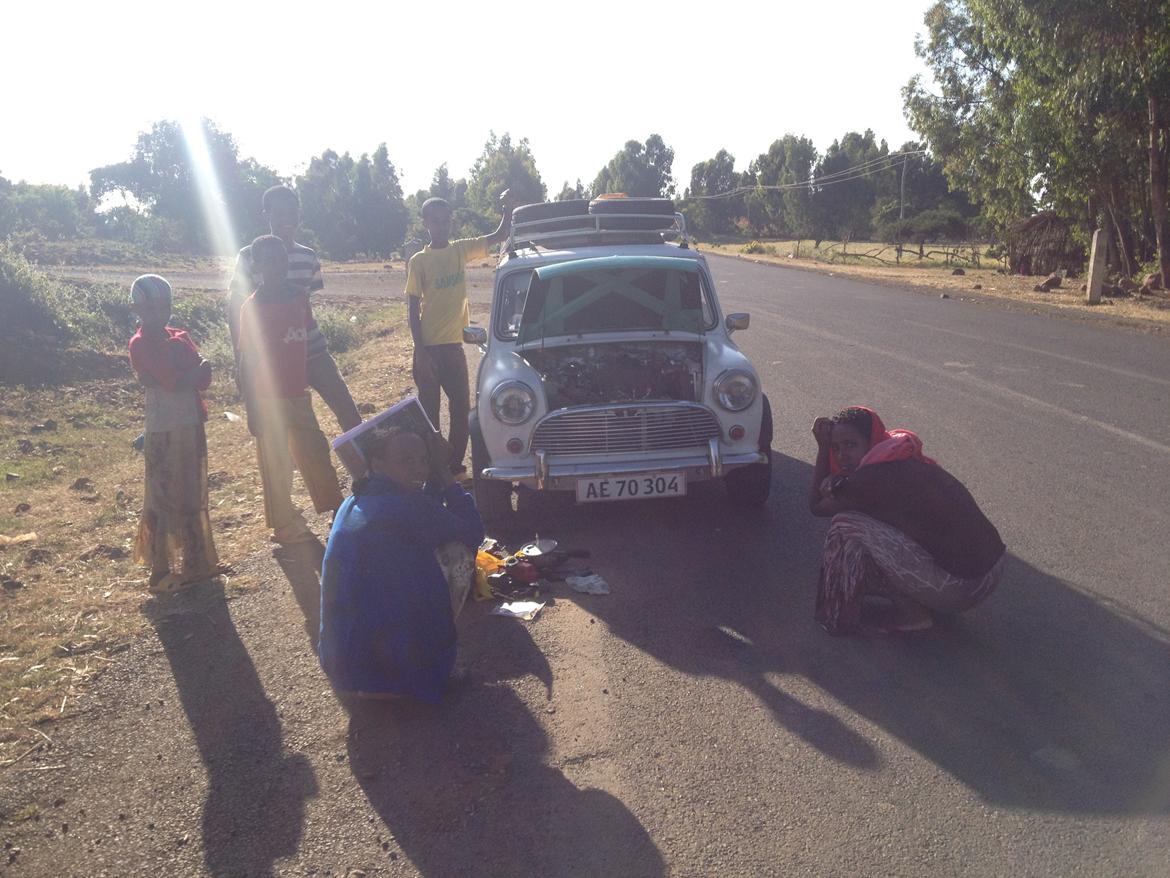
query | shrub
[26, 297]
[342, 330]
[68, 311]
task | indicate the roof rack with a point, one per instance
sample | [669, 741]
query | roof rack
[592, 228]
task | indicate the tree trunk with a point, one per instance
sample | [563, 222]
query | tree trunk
[1159, 146]
[1121, 248]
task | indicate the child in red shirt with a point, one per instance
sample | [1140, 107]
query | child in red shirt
[273, 364]
[175, 522]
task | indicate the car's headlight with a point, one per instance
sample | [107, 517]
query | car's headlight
[513, 402]
[736, 390]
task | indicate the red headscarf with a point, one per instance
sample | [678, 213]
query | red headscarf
[884, 445]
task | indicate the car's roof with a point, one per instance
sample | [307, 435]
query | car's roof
[533, 257]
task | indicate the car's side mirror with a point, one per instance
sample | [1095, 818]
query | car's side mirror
[733, 322]
[475, 335]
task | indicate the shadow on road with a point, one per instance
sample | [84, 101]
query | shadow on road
[301, 564]
[256, 797]
[465, 788]
[1045, 697]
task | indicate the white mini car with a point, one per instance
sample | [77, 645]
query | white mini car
[609, 369]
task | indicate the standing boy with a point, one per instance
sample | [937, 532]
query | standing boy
[274, 332]
[282, 209]
[175, 522]
[437, 293]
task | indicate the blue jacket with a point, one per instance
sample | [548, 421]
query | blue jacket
[386, 621]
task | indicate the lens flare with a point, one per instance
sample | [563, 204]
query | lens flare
[220, 234]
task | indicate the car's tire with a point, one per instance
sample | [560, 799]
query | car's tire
[750, 486]
[493, 498]
[656, 213]
[573, 214]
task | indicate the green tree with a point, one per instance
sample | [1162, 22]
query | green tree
[442, 186]
[922, 189]
[846, 184]
[503, 165]
[161, 177]
[379, 212]
[715, 176]
[51, 212]
[572, 193]
[785, 212]
[639, 170]
[353, 207]
[7, 209]
[326, 191]
[1074, 98]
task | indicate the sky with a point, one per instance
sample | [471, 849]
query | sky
[432, 80]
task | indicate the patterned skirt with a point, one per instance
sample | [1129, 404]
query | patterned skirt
[175, 529]
[458, 565]
[863, 556]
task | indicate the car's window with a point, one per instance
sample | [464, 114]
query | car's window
[510, 304]
[615, 299]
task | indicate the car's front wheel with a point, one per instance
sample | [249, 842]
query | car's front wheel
[493, 497]
[751, 485]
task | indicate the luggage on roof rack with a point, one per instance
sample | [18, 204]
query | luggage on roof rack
[643, 214]
[608, 219]
[555, 215]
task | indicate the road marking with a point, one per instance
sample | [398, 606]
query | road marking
[968, 378]
[1141, 376]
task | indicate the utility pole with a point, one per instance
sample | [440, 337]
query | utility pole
[902, 196]
[901, 209]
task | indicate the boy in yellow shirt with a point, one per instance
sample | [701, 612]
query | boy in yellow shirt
[437, 292]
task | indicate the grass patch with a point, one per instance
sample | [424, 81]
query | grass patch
[55, 329]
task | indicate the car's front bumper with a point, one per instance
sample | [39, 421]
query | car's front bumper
[561, 473]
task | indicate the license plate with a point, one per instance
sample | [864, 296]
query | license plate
[637, 487]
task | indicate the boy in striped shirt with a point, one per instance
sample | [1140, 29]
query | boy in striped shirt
[282, 209]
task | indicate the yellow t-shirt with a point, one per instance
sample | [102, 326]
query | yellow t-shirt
[435, 278]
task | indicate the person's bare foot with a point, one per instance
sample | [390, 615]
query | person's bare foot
[290, 534]
[911, 616]
[904, 617]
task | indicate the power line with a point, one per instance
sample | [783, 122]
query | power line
[845, 175]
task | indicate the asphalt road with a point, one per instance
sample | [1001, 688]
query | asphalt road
[1031, 736]
[696, 721]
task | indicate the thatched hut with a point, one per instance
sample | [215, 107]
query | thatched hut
[1044, 244]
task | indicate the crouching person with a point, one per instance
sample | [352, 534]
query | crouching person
[387, 610]
[904, 529]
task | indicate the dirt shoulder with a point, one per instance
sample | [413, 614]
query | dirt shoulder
[1148, 312]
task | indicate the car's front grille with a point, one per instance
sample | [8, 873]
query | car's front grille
[625, 429]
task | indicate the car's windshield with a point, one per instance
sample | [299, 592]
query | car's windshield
[605, 300]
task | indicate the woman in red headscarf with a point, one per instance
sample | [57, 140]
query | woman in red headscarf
[904, 529]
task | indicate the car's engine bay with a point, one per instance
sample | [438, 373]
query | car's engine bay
[619, 372]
